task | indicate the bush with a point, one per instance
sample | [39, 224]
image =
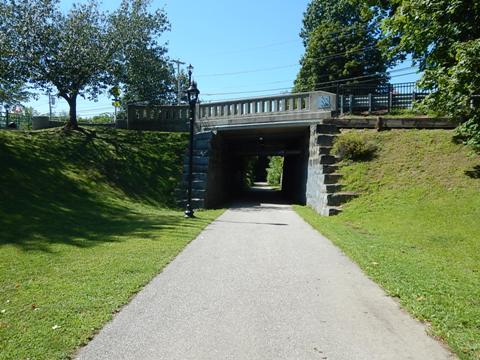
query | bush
[350, 146]
[249, 166]
[275, 170]
[468, 133]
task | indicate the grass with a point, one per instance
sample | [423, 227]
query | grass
[415, 229]
[395, 113]
[85, 222]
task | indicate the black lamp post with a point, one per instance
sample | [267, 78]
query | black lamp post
[7, 111]
[192, 94]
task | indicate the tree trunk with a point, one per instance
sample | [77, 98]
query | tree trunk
[72, 122]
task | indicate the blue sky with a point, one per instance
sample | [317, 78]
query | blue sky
[238, 48]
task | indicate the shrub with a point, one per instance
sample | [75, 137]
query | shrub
[249, 166]
[275, 170]
[350, 146]
[468, 133]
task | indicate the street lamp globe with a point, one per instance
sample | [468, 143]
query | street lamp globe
[193, 93]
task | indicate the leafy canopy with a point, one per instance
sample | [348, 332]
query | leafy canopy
[443, 38]
[141, 64]
[86, 50]
[12, 74]
[341, 40]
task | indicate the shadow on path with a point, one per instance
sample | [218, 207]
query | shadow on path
[260, 194]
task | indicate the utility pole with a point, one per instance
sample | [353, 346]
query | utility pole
[178, 62]
[50, 105]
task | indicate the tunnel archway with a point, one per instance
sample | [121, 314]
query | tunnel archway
[230, 151]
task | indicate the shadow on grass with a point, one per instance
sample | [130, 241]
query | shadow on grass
[474, 173]
[42, 204]
[146, 166]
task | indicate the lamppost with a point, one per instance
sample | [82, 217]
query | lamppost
[7, 111]
[192, 94]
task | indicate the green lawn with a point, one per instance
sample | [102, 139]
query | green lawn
[85, 223]
[415, 228]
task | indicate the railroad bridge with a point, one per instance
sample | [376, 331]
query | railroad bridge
[298, 127]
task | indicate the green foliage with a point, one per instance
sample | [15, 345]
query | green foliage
[70, 52]
[13, 92]
[12, 75]
[352, 146]
[83, 228]
[105, 118]
[414, 229]
[443, 38]
[144, 71]
[148, 77]
[341, 40]
[275, 170]
[469, 132]
[145, 165]
[249, 170]
[84, 51]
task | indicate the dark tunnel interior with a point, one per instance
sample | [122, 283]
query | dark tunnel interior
[231, 164]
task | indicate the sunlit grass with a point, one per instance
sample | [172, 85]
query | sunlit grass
[415, 229]
[84, 225]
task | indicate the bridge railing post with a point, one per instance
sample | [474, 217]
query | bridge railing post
[290, 104]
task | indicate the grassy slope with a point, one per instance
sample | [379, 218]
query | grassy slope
[415, 229]
[84, 224]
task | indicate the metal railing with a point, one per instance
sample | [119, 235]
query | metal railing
[386, 97]
[164, 113]
[23, 122]
[317, 101]
[381, 89]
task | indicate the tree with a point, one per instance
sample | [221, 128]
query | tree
[342, 41]
[69, 52]
[12, 77]
[85, 51]
[148, 77]
[144, 69]
[275, 170]
[443, 38]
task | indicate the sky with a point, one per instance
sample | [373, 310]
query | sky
[237, 48]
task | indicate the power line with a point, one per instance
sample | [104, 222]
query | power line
[347, 30]
[317, 84]
[332, 82]
[367, 76]
[270, 45]
[248, 71]
[343, 53]
[106, 107]
[260, 47]
[285, 81]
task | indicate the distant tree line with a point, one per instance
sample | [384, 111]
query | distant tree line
[83, 52]
[356, 41]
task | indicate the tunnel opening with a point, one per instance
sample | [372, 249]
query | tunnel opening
[244, 160]
[263, 180]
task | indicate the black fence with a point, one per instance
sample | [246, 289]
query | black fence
[16, 121]
[373, 97]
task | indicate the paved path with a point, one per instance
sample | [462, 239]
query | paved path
[259, 283]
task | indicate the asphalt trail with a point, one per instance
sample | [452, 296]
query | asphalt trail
[259, 283]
